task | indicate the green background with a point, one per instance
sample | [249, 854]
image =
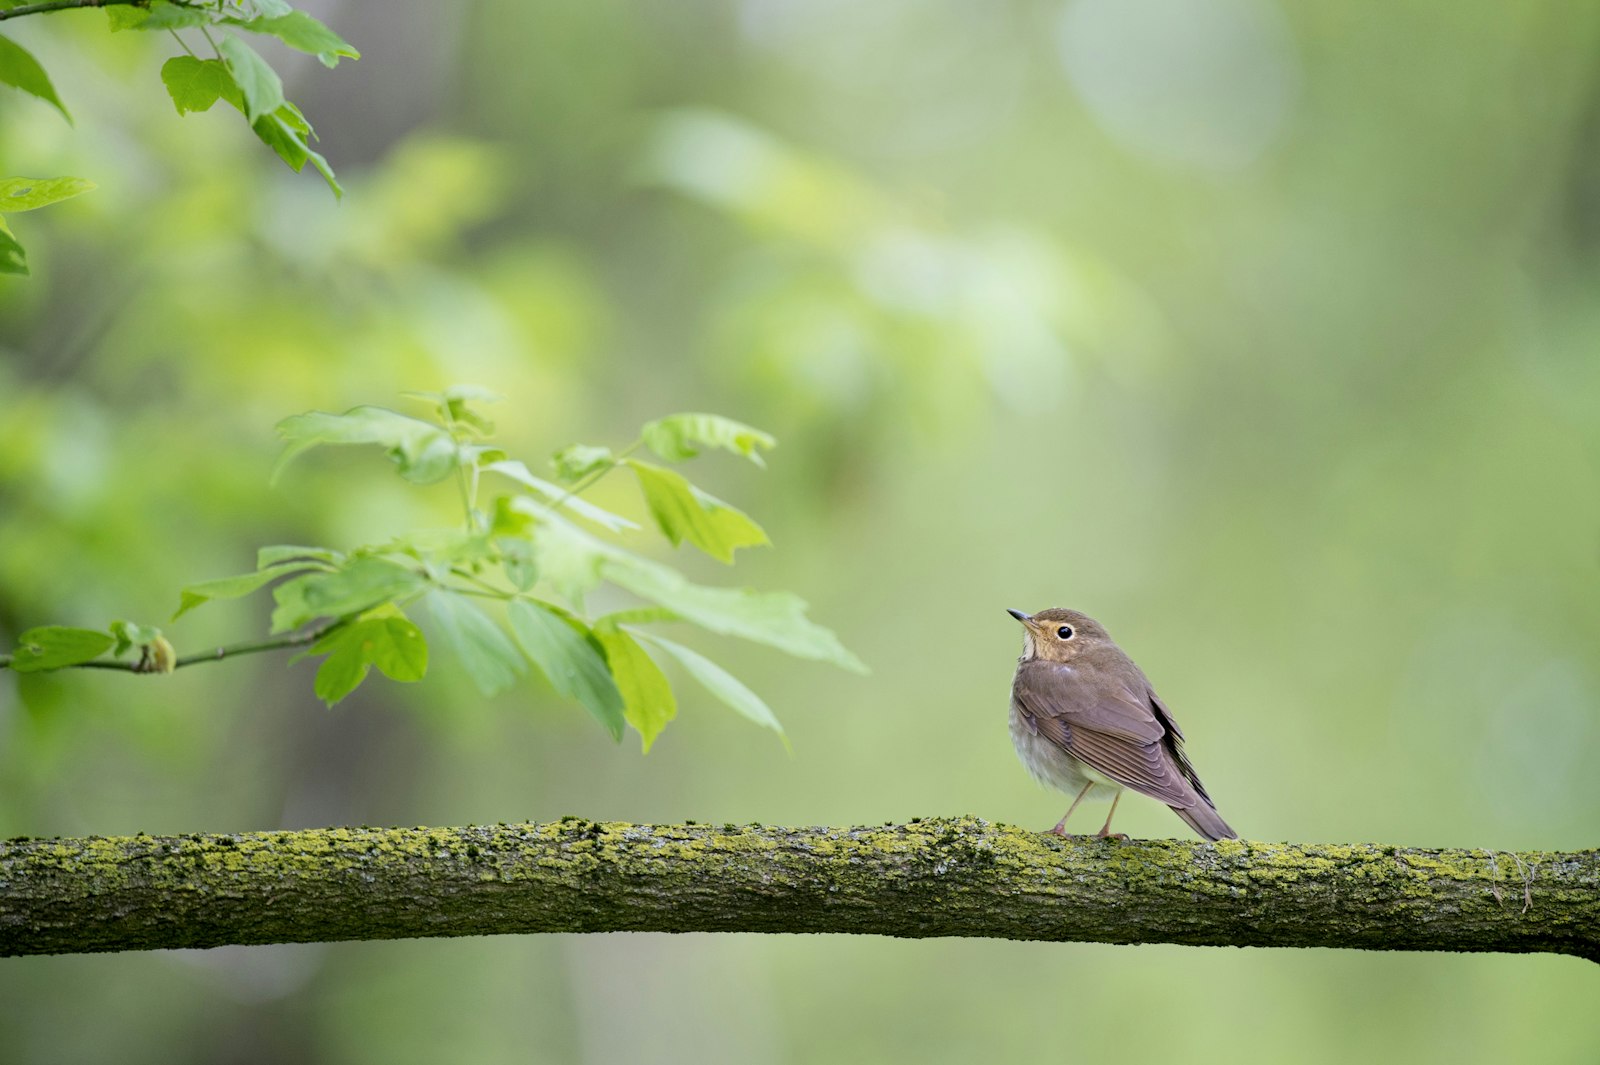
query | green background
[1266, 335]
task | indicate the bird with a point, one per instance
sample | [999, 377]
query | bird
[1085, 719]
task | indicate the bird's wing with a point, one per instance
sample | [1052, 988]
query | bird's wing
[1058, 690]
[1174, 745]
[1113, 729]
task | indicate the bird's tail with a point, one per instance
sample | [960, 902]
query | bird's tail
[1204, 819]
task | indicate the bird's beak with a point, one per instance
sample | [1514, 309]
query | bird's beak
[1020, 616]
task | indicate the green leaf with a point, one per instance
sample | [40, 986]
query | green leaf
[284, 131]
[398, 649]
[582, 507]
[441, 550]
[390, 642]
[639, 615]
[508, 520]
[196, 84]
[684, 512]
[574, 560]
[721, 683]
[18, 68]
[577, 461]
[295, 119]
[776, 619]
[300, 31]
[267, 8]
[517, 471]
[361, 585]
[488, 655]
[512, 533]
[518, 561]
[194, 595]
[567, 655]
[13, 259]
[276, 553]
[27, 194]
[567, 557]
[479, 455]
[680, 436]
[127, 635]
[454, 405]
[647, 701]
[168, 16]
[424, 452]
[57, 646]
[341, 672]
[258, 83]
[127, 17]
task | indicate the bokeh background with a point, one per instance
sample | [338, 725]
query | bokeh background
[1266, 333]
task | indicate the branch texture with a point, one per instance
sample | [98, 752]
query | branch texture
[934, 877]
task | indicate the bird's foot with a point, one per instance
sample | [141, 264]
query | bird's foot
[1064, 834]
[1103, 834]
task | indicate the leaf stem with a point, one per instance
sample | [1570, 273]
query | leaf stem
[468, 502]
[589, 480]
[488, 589]
[488, 593]
[182, 43]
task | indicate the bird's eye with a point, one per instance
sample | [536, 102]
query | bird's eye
[1064, 632]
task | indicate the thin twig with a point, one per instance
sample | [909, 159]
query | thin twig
[257, 646]
[63, 5]
[216, 654]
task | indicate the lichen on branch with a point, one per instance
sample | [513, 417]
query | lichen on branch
[931, 877]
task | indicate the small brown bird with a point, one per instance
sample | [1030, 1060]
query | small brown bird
[1085, 720]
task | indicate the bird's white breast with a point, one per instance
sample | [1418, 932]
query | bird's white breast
[1052, 766]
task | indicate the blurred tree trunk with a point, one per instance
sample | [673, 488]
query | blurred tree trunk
[933, 877]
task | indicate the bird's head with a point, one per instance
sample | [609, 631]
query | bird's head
[1059, 635]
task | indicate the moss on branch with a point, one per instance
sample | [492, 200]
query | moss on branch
[932, 877]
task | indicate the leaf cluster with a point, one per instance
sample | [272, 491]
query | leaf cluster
[506, 589]
[232, 71]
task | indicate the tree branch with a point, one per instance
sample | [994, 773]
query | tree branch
[935, 877]
[62, 5]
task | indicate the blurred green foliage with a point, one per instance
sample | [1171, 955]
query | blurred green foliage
[236, 72]
[1265, 334]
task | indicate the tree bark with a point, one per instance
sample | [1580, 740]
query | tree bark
[932, 877]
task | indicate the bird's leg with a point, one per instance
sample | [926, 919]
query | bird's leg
[1061, 825]
[1105, 829]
